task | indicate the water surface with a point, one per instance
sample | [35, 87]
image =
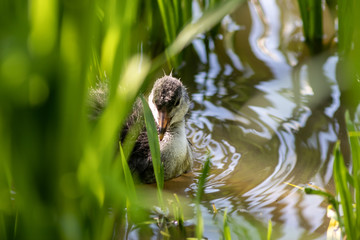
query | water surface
[266, 113]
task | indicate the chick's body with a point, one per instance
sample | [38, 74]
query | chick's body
[169, 103]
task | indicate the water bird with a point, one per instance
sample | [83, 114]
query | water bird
[169, 103]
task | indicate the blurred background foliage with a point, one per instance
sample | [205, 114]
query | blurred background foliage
[57, 174]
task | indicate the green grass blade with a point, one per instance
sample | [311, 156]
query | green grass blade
[269, 232]
[340, 173]
[226, 231]
[169, 14]
[355, 152]
[311, 15]
[176, 17]
[154, 148]
[166, 10]
[129, 181]
[180, 213]
[346, 18]
[200, 192]
[199, 223]
[186, 11]
[202, 180]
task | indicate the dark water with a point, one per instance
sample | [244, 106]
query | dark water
[266, 113]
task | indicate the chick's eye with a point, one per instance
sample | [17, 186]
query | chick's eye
[177, 103]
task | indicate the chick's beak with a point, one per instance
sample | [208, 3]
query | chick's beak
[163, 123]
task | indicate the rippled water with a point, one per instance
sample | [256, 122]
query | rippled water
[278, 133]
[266, 114]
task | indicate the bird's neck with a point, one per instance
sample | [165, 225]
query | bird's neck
[175, 151]
[177, 127]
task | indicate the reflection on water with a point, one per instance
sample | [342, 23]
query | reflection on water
[258, 144]
[265, 115]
